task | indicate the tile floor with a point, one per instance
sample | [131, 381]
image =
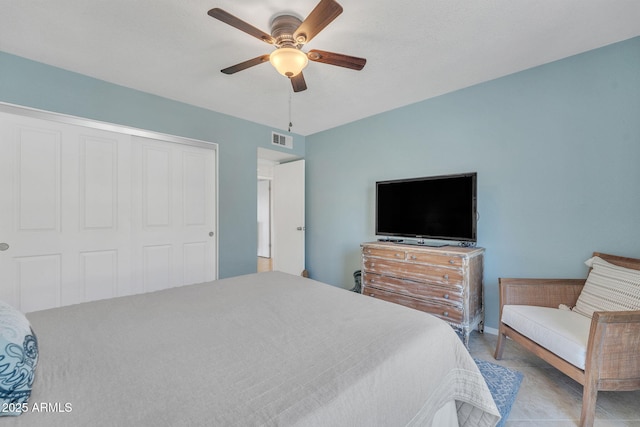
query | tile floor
[548, 398]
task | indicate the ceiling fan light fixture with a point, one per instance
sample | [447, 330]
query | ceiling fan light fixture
[288, 61]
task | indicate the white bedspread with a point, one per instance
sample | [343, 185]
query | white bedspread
[258, 350]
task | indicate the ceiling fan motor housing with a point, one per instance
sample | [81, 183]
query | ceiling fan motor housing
[282, 29]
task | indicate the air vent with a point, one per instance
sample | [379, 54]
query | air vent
[281, 140]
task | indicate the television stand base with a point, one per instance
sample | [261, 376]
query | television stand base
[423, 242]
[430, 244]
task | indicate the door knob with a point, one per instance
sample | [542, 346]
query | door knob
[4, 246]
[211, 234]
[301, 228]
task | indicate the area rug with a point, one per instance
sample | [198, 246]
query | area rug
[503, 383]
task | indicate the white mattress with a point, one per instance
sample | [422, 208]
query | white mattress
[257, 350]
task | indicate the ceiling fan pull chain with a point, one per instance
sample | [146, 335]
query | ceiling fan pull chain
[290, 124]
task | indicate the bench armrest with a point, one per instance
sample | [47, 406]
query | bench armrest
[613, 348]
[539, 292]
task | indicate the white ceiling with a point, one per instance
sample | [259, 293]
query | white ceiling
[415, 49]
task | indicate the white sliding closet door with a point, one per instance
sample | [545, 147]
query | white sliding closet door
[63, 194]
[174, 214]
[87, 214]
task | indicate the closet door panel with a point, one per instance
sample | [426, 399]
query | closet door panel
[174, 209]
[63, 190]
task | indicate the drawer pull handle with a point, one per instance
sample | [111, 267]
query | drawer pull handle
[414, 257]
[397, 255]
[446, 296]
[446, 277]
[372, 295]
[451, 262]
[445, 314]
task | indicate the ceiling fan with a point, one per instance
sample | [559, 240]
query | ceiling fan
[289, 34]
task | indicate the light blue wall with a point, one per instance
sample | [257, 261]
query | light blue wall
[27, 83]
[556, 148]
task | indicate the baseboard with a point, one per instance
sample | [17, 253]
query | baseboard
[491, 331]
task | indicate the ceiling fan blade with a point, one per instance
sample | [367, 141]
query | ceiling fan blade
[338, 59]
[246, 64]
[238, 23]
[321, 16]
[298, 83]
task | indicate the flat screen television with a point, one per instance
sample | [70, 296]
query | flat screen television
[436, 207]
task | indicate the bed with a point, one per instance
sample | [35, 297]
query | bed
[266, 349]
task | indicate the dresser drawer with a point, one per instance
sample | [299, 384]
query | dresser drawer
[435, 259]
[453, 314]
[384, 253]
[419, 272]
[419, 290]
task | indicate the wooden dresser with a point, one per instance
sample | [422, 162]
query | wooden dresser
[444, 281]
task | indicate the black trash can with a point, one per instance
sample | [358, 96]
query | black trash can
[357, 278]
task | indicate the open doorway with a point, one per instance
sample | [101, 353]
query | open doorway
[270, 164]
[265, 263]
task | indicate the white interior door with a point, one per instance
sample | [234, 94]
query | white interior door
[288, 217]
[87, 214]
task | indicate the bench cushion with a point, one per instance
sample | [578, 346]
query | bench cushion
[562, 332]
